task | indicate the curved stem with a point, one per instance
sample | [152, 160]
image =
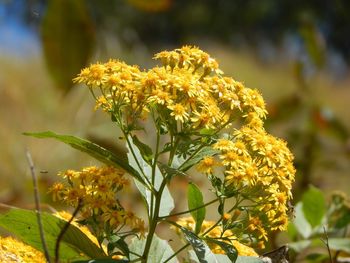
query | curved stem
[64, 230]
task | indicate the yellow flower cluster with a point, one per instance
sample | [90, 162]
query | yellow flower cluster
[258, 166]
[189, 89]
[218, 234]
[96, 188]
[191, 95]
[13, 250]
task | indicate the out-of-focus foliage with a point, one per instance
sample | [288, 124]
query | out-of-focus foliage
[68, 26]
[68, 38]
[319, 226]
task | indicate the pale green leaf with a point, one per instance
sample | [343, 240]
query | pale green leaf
[301, 224]
[342, 244]
[145, 170]
[159, 251]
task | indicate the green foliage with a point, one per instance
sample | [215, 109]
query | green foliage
[154, 178]
[23, 223]
[201, 249]
[230, 251]
[68, 37]
[195, 203]
[314, 206]
[99, 153]
[316, 225]
[159, 250]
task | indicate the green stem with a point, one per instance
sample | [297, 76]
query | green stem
[176, 253]
[154, 222]
[148, 184]
[189, 211]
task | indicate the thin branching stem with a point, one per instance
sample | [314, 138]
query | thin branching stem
[64, 230]
[177, 252]
[326, 242]
[189, 211]
[37, 206]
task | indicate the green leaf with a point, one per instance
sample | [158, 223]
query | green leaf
[317, 257]
[245, 259]
[23, 224]
[195, 200]
[203, 252]
[299, 245]
[314, 206]
[102, 260]
[342, 244]
[170, 172]
[301, 224]
[158, 253]
[145, 150]
[118, 242]
[205, 151]
[230, 251]
[94, 150]
[145, 170]
[68, 37]
[224, 259]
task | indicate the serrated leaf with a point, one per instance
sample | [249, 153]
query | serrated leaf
[94, 150]
[301, 224]
[314, 206]
[144, 169]
[203, 252]
[159, 251]
[342, 244]
[23, 224]
[230, 251]
[205, 151]
[195, 200]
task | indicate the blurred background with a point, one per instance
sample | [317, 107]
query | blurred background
[296, 52]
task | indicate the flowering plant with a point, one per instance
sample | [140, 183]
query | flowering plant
[198, 118]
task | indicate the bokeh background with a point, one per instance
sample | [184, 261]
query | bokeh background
[296, 52]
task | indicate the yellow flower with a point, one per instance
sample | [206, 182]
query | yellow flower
[206, 165]
[217, 233]
[13, 250]
[179, 112]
